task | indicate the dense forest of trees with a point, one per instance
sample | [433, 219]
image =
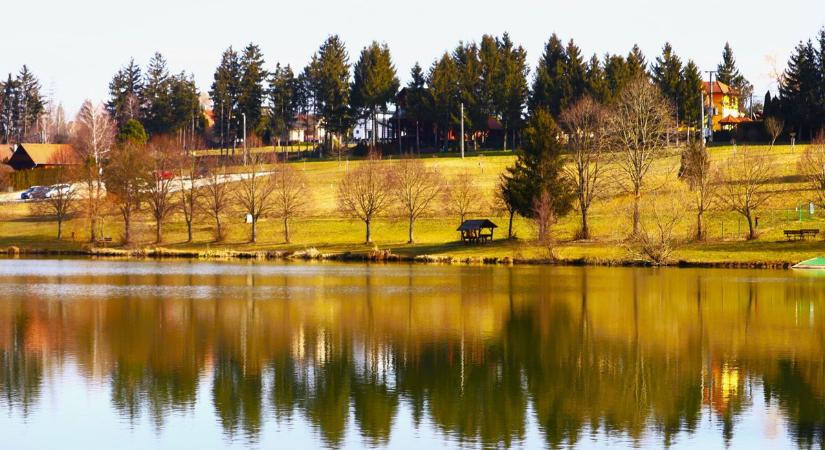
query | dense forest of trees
[492, 80]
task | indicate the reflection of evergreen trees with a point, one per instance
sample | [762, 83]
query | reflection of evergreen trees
[584, 355]
[21, 372]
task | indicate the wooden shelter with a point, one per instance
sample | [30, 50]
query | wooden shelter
[30, 156]
[477, 231]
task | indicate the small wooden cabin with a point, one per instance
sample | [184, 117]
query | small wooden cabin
[477, 231]
[31, 156]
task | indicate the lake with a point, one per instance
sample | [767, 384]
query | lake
[177, 354]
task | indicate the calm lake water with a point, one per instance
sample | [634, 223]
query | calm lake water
[174, 355]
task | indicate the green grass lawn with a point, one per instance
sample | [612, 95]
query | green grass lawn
[325, 230]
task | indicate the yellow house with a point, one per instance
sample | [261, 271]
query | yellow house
[726, 113]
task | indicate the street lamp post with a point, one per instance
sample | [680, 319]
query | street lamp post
[462, 130]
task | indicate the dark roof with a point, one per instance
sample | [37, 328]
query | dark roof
[476, 225]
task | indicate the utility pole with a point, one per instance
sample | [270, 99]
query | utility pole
[244, 139]
[702, 110]
[710, 104]
[462, 130]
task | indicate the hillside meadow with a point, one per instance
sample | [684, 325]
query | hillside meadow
[326, 230]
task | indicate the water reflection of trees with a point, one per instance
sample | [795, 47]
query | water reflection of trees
[636, 353]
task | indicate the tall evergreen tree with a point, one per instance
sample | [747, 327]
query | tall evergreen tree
[690, 90]
[8, 109]
[157, 107]
[636, 63]
[251, 88]
[330, 73]
[574, 77]
[224, 94]
[417, 101]
[184, 103]
[798, 90]
[512, 86]
[667, 75]
[617, 75]
[548, 82]
[374, 84]
[125, 93]
[442, 83]
[596, 81]
[728, 73]
[468, 68]
[31, 104]
[283, 102]
[539, 168]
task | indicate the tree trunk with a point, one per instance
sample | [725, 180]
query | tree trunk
[585, 231]
[189, 230]
[504, 145]
[158, 231]
[254, 238]
[417, 139]
[637, 198]
[218, 231]
[369, 235]
[751, 229]
[700, 232]
[286, 230]
[411, 239]
[59, 227]
[127, 228]
[510, 226]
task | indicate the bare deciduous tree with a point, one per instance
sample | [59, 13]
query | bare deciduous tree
[656, 239]
[217, 199]
[364, 193]
[774, 128]
[698, 174]
[504, 202]
[189, 194]
[414, 186]
[638, 130]
[584, 125]
[93, 137]
[291, 197]
[61, 202]
[125, 175]
[160, 183]
[254, 193]
[462, 196]
[743, 185]
[544, 216]
[812, 166]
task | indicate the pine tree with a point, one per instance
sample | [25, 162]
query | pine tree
[442, 84]
[330, 80]
[184, 99]
[596, 81]
[690, 90]
[417, 101]
[574, 84]
[283, 102]
[798, 90]
[251, 88]
[728, 73]
[31, 104]
[8, 109]
[667, 75]
[617, 75]
[374, 85]
[125, 93]
[538, 169]
[512, 86]
[468, 69]
[636, 63]
[224, 95]
[157, 108]
[548, 83]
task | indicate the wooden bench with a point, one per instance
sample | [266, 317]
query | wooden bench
[103, 241]
[799, 235]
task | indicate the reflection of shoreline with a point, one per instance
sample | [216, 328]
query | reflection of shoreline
[473, 359]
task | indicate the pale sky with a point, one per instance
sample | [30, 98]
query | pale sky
[76, 46]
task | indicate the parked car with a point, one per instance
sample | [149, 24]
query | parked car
[27, 194]
[57, 188]
[39, 193]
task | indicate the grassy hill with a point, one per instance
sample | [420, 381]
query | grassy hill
[325, 229]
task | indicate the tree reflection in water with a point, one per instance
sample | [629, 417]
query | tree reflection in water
[631, 353]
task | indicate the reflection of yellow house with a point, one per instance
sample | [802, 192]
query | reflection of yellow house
[726, 113]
